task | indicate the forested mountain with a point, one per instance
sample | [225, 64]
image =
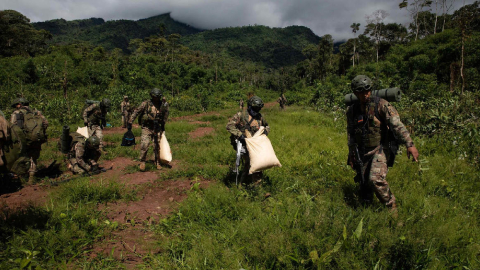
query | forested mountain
[272, 47]
[112, 34]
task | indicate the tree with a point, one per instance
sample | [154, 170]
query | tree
[325, 51]
[374, 26]
[355, 27]
[415, 8]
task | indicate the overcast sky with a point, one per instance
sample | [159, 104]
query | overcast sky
[322, 16]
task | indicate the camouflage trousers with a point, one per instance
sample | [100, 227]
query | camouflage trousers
[245, 177]
[97, 131]
[73, 166]
[148, 135]
[33, 153]
[375, 173]
[125, 118]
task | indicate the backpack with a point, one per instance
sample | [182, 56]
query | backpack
[128, 138]
[33, 128]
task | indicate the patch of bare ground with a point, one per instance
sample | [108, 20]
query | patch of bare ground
[133, 240]
[193, 116]
[33, 195]
[200, 132]
[117, 130]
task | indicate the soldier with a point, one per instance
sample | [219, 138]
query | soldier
[240, 103]
[84, 154]
[22, 108]
[125, 108]
[282, 100]
[368, 123]
[152, 114]
[251, 121]
[4, 135]
[94, 117]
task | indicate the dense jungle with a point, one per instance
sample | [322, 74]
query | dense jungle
[306, 214]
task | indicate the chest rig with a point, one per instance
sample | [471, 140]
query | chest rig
[246, 124]
[96, 116]
[153, 114]
[367, 133]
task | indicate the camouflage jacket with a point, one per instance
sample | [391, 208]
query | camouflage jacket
[26, 109]
[94, 115]
[389, 118]
[84, 156]
[4, 135]
[149, 114]
[125, 107]
[242, 121]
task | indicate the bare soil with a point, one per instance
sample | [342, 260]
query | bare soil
[200, 132]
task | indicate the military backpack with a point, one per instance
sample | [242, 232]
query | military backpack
[32, 125]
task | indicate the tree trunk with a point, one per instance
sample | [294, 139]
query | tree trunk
[436, 17]
[416, 24]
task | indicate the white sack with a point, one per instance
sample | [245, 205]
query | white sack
[165, 151]
[83, 131]
[260, 151]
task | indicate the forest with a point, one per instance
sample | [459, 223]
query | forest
[434, 60]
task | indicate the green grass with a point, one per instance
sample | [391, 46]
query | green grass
[312, 220]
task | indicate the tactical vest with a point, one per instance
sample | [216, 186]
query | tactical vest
[245, 123]
[149, 117]
[367, 134]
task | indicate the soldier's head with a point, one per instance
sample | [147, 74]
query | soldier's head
[255, 103]
[93, 142]
[156, 94]
[105, 103]
[19, 102]
[362, 87]
[125, 98]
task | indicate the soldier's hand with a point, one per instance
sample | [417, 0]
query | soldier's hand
[413, 152]
[242, 139]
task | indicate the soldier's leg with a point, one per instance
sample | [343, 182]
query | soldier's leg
[157, 161]
[34, 153]
[145, 141]
[378, 173]
[97, 131]
[124, 123]
[245, 178]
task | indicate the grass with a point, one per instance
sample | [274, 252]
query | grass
[311, 220]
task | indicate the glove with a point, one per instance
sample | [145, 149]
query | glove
[85, 123]
[265, 132]
[242, 139]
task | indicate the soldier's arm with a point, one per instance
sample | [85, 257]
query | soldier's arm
[13, 118]
[267, 127]
[44, 119]
[87, 111]
[137, 111]
[79, 153]
[232, 125]
[350, 126]
[393, 119]
[166, 110]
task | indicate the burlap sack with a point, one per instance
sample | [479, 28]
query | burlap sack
[261, 153]
[165, 151]
[83, 131]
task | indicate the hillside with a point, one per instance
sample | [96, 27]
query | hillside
[272, 47]
[111, 34]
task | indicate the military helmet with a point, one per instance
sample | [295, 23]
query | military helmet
[155, 92]
[361, 83]
[105, 103]
[93, 142]
[255, 101]
[20, 101]
[125, 97]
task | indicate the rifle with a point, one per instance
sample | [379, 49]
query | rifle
[358, 165]
[96, 171]
[240, 151]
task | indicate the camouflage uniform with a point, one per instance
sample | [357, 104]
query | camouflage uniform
[240, 103]
[4, 135]
[152, 119]
[34, 148]
[282, 101]
[94, 117]
[368, 132]
[82, 158]
[237, 126]
[125, 109]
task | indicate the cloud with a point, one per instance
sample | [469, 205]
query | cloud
[322, 16]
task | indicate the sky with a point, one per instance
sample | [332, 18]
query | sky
[332, 17]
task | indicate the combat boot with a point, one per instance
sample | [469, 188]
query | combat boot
[142, 166]
[159, 167]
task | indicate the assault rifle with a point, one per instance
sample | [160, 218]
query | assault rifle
[358, 165]
[240, 151]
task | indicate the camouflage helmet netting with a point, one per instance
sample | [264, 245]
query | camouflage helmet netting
[93, 142]
[361, 83]
[155, 92]
[255, 101]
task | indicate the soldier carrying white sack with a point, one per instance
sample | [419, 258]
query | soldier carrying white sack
[250, 121]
